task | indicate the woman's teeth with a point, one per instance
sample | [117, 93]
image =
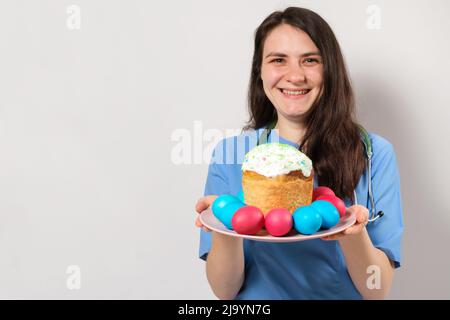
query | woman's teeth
[296, 92]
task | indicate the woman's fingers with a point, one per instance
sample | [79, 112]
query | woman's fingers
[361, 215]
[204, 203]
[353, 229]
[199, 224]
[201, 205]
[333, 236]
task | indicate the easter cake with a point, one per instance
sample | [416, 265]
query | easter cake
[276, 175]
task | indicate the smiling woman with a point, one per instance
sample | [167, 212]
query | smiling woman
[300, 83]
[291, 71]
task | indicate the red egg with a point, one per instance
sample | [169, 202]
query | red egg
[335, 201]
[248, 220]
[321, 191]
[279, 222]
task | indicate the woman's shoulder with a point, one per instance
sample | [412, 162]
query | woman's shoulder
[381, 146]
[379, 142]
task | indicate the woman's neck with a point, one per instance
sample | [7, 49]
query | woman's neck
[291, 131]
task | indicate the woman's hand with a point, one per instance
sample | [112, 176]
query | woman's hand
[362, 218]
[203, 204]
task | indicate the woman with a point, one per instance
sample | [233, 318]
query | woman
[299, 81]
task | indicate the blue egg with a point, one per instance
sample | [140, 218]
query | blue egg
[307, 220]
[222, 201]
[225, 214]
[329, 213]
[240, 196]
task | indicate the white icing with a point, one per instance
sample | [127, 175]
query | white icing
[274, 159]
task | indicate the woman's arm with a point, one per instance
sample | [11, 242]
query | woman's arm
[225, 266]
[360, 254]
[225, 260]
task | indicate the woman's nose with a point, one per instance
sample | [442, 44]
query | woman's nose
[295, 74]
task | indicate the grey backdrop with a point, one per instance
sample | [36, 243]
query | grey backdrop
[90, 117]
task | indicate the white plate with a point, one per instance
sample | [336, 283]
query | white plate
[210, 221]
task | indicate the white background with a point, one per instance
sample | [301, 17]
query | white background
[87, 175]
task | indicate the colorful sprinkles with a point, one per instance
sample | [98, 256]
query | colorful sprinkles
[273, 159]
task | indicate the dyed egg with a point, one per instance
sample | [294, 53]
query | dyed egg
[248, 220]
[225, 214]
[320, 191]
[337, 202]
[221, 201]
[279, 222]
[307, 220]
[240, 196]
[329, 213]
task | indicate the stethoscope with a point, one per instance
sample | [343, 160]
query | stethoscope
[374, 215]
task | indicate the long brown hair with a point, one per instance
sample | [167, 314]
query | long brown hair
[332, 138]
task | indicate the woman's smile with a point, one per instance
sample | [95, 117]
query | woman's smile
[295, 94]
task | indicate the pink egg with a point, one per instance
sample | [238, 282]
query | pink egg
[279, 222]
[321, 191]
[337, 202]
[248, 220]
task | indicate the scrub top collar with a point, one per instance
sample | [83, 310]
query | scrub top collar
[275, 137]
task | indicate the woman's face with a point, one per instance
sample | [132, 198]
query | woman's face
[291, 71]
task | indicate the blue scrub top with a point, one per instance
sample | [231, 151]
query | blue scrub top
[313, 269]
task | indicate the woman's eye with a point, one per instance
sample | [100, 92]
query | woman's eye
[311, 61]
[278, 60]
